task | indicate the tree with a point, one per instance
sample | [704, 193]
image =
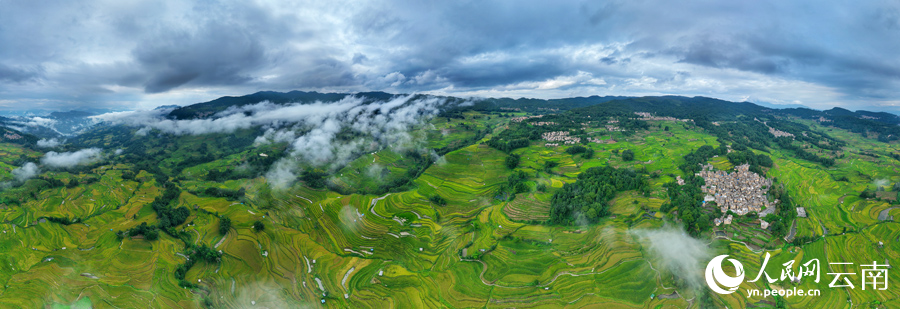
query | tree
[549, 165]
[437, 199]
[589, 153]
[867, 194]
[152, 234]
[224, 225]
[627, 155]
[512, 161]
[258, 226]
[314, 178]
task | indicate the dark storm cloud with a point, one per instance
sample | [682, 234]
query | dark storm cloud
[10, 74]
[147, 53]
[215, 54]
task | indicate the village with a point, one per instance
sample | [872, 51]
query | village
[560, 136]
[648, 116]
[741, 192]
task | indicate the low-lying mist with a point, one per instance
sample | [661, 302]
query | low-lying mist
[682, 255]
[324, 135]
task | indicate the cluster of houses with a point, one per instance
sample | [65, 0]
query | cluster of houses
[12, 136]
[773, 131]
[779, 133]
[523, 118]
[610, 127]
[543, 123]
[560, 136]
[741, 191]
[724, 220]
[648, 116]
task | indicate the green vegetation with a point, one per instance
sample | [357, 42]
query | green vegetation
[477, 215]
[512, 161]
[437, 199]
[627, 155]
[587, 199]
[224, 225]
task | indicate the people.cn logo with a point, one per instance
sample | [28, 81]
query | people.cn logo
[717, 279]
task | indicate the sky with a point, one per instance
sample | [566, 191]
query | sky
[125, 55]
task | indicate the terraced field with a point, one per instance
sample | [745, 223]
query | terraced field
[401, 249]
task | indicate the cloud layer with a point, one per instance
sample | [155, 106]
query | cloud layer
[320, 134]
[109, 54]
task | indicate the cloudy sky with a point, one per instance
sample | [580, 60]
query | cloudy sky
[141, 54]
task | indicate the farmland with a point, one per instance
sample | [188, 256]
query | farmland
[354, 242]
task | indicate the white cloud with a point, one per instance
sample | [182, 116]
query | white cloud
[70, 159]
[39, 122]
[48, 143]
[27, 171]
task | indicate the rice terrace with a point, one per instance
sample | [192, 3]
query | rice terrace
[465, 206]
[487, 154]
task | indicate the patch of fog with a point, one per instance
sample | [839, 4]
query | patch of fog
[48, 143]
[71, 159]
[27, 171]
[682, 255]
[437, 159]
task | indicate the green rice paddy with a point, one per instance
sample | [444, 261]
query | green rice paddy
[401, 250]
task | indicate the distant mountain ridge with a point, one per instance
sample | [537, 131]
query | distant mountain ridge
[204, 109]
[75, 121]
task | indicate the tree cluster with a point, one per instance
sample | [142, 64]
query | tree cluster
[512, 161]
[785, 211]
[627, 155]
[224, 225]
[150, 232]
[586, 152]
[586, 200]
[231, 195]
[517, 182]
[169, 216]
[438, 200]
[756, 161]
[195, 253]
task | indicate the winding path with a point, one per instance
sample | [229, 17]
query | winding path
[308, 200]
[372, 206]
